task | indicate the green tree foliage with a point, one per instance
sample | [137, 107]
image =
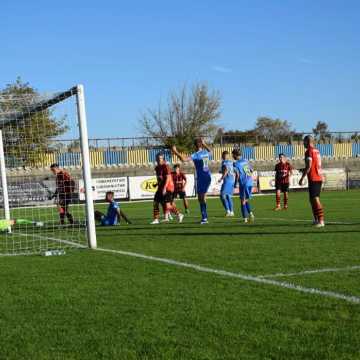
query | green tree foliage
[321, 131]
[273, 130]
[236, 137]
[189, 113]
[26, 135]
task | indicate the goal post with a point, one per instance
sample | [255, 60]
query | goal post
[42, 206]
[84, 143]
[5, 193]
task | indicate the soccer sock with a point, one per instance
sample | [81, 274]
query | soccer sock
[243, 211]
[70, 218]
[313, 207]
[248, 207]
[156, 211]
[62, 218]
[286, 198]
[175, 210]
[230, 203]
[224, 202]
[203, 210]
[164, 208]
[277, 199]
[319, 211]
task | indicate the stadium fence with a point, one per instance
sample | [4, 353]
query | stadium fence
[143, 155]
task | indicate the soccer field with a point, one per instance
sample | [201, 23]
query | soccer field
[275, 289]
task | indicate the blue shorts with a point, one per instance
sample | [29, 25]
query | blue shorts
[227, 188]
[108, 222]
[245, 192]
[202, 185]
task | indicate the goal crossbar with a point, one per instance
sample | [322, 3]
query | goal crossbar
[42, 105]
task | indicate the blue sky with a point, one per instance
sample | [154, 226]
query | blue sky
[292, 59]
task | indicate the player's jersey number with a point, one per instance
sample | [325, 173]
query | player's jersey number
[247, 170]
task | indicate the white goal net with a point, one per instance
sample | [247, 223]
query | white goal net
[40, 210]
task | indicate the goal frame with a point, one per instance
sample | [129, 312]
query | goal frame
[78, 92]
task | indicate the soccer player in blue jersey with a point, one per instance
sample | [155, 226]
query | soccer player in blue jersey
[113, 214]
[228, 181]
[243, 171]
[200, 158]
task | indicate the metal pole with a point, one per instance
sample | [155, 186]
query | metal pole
[84, 143]
[4, 181]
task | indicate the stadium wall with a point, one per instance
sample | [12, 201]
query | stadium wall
[144, 157]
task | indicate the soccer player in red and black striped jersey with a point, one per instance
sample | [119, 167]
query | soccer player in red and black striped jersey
[313, 171]
[283, 171]
[165, 192]
[65, 187]
[179, 179]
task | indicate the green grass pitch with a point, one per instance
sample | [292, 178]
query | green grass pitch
[99, 305]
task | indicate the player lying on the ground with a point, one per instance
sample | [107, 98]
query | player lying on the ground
[200, 158]
[313, 171]
[6, 224]
[164, 194]
[228, 181]
[65, 187]
[179, 179]
[113, 214]
[243, 172]
[283, 171]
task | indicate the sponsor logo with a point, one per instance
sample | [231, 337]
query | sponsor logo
[149, 185]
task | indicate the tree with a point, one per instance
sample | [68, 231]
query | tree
[235, 136]
[273, 130]
[321, 131]
[31, 134]
[189, 113]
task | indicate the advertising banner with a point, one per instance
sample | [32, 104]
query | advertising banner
[119, 185]
[144, 187]
[267, 180]
[215, 186]
[332, 179]
[29, 193]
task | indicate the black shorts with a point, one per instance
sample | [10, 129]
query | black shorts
[65, 200]
[282, 187]
[315, 188]
[160, 198]
[180, 194]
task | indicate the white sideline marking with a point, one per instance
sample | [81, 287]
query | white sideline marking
[314, 291]
[316, 271]
[55, 239]
[306, 221]
[46, 238]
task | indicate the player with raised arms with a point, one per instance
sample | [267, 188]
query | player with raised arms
[165, 192]
[65, 187]
[113, 214]
[200, 158]
[313, 171]
[243, 171]
[283, 171]
[228, 181]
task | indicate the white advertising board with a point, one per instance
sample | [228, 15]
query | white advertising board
[144, 187]
[215, 186]
[119, 185]
[332, 179]
[267, 180]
